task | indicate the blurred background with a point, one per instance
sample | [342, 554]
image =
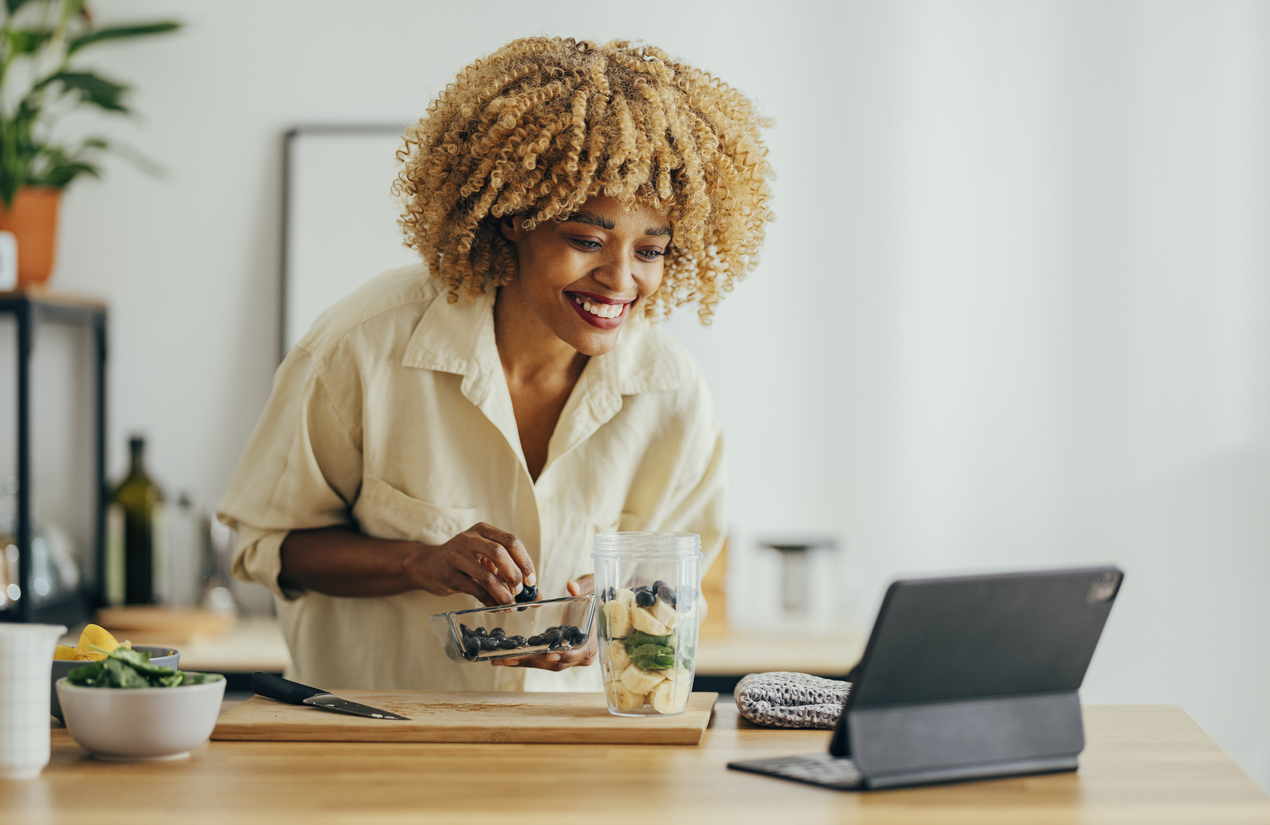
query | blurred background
[1013, 312]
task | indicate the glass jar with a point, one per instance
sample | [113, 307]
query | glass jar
[648, 585]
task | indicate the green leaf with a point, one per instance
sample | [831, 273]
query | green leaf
[14, 5]
[61, 176]
[201, 678]
[639, 638]
[87, 675]
[652, 657]
[26, 41]
[132, 657]
[92, 88]
[120, 33]
[122, 675]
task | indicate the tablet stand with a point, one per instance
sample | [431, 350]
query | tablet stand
[963, 739]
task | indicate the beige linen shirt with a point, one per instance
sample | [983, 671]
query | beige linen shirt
[393, 414]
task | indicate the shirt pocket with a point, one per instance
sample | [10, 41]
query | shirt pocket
[626, 523]
[385, 512]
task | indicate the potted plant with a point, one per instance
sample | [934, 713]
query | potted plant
[40, 40]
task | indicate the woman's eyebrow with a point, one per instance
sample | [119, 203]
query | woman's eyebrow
[590, 218]
[593, 219]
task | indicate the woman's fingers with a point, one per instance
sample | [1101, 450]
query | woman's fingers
[477, 580]
[578, 657]
[517, 555]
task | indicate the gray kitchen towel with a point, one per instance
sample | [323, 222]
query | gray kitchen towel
[781, 699]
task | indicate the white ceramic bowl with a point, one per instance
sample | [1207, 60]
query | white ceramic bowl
[140, 724]
[159, 657]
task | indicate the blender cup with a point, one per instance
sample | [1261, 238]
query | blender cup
[649, 609]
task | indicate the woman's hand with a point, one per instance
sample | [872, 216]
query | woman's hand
[482, 561]
[578, 656]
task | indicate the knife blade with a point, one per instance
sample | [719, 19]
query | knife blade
[284, 690]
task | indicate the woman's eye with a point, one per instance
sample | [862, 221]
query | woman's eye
[584, 243]
[651, 254]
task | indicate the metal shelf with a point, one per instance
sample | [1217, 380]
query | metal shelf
[30, 308]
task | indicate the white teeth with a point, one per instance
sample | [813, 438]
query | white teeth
[599, 310]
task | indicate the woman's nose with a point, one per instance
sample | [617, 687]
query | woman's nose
[618, 270]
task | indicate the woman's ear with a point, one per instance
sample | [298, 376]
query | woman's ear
[510, 227]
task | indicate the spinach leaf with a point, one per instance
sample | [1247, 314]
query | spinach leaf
[652, 657]
[640, 638]
[124, 668]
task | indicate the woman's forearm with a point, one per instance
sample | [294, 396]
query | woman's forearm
[339, 561]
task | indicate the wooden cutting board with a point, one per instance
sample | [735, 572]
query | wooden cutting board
[442, 716]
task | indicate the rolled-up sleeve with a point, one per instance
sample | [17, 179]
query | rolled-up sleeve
[301, 470]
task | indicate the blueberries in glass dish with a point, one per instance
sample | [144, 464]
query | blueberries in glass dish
[498, 643]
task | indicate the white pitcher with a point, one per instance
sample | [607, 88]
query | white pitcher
[26, 662]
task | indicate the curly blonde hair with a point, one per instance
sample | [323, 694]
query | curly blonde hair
[544, 124]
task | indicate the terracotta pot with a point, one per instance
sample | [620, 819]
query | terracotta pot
[33, 221]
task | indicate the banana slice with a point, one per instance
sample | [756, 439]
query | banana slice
[671, 695]
[618, 617]
[623, 699]
[64, 653]
[641, 681]
[646, 622]
[665, 614]
[627, 597]
[617, 659]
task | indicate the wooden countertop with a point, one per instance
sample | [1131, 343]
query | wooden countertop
[1142, 764]
[256, 643]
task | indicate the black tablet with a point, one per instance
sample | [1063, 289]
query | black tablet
[966, 677]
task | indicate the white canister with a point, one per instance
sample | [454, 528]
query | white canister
[26, 660]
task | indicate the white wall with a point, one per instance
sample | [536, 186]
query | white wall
[1012, 313]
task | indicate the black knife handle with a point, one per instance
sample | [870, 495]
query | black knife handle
[284, 690]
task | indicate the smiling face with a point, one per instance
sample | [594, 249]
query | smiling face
[581, 278]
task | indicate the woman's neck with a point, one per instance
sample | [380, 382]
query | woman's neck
[531, 354]
[541, 372]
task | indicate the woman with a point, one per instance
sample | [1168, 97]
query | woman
[435, 442]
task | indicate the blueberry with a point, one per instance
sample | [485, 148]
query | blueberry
[465, 630]
[609, 594]
[665, 593]
[470, 653]
[508, 644]
[529, 594]
[489, 643]
[576, 636]
[645, 598]
[498, 633]
[480, 631]
[554, 637]
[534, 641]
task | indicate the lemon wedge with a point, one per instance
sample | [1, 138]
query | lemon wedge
[95, 642]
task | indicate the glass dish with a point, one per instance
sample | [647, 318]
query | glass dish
[526, 629]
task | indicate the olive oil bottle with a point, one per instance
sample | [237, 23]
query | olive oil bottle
[136, 543]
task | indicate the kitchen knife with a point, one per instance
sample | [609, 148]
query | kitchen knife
[284, 690]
